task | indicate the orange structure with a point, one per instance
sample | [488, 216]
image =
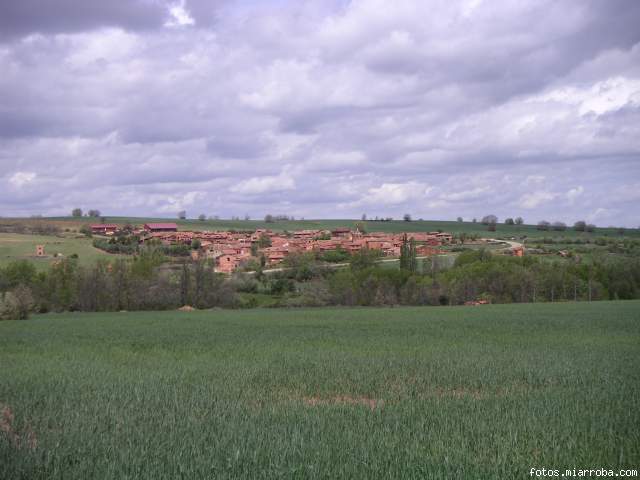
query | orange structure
[230, 250]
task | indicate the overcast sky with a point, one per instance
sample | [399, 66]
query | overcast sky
[322, 109]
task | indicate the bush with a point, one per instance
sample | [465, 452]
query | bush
[16, 304]
[86, 230]
[336, 256]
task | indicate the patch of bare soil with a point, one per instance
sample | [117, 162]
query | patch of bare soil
[460, 392]
[371, 403]
[26, 438]
[186, 308]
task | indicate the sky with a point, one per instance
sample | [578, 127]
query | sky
[322, 109]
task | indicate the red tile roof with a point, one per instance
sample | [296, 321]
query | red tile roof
[157, 226]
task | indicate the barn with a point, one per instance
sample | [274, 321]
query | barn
[160, 227]
[104, 228]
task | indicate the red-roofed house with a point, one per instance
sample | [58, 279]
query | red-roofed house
[160, 227]
[104, 228]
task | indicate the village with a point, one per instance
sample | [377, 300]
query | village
[232, 250]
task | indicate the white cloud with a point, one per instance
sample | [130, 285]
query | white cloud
[180, 16]
[20, 179]
[574, 193]
[176, 203]
[534, 179]
[466, 195]
[266, 184]
[395, 194]
[601, 97]
[535, 199]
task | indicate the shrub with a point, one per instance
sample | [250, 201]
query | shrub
[16, 304]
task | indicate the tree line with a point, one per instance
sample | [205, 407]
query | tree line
[145, 282]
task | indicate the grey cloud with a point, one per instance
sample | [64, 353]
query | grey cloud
[23, 17]
[324, 109]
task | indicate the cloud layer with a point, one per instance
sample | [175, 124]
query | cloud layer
[322, 109]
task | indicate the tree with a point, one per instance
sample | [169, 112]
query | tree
[491, 227]
[590, 228]
[580, 226]
[543, 225]
[475, 220]
[19, 272]
[76, 212]
[196, 244]
[459, 219]
[246, 217]
[86, 230]
[489, 219]
[264, 241]
[519, 221]
[182, 215]
[185, 284]
[268, 218]
[509, 221]
[361, 227]
[17, 304]
[93, 213]
[408, 255]
[364, 217]
[406, 217]
[559, 226]
[202, 217]
[365, 258]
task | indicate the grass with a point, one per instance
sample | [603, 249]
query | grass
[14, 246]
[468, 392]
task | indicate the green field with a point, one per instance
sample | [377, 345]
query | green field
[394, 226]
[451, 392]
[14, 246]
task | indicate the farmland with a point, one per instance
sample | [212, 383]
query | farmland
[15, 246]
[394, 226]
[466, 392]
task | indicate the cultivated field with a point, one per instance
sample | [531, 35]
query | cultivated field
[466, 392]
[14, 246]
[469, 228]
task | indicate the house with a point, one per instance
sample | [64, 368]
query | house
[427, 250]
[229, 261]
[104, 228]
[275, 254]
[444, 238]
[160, 227]
[341, 232]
